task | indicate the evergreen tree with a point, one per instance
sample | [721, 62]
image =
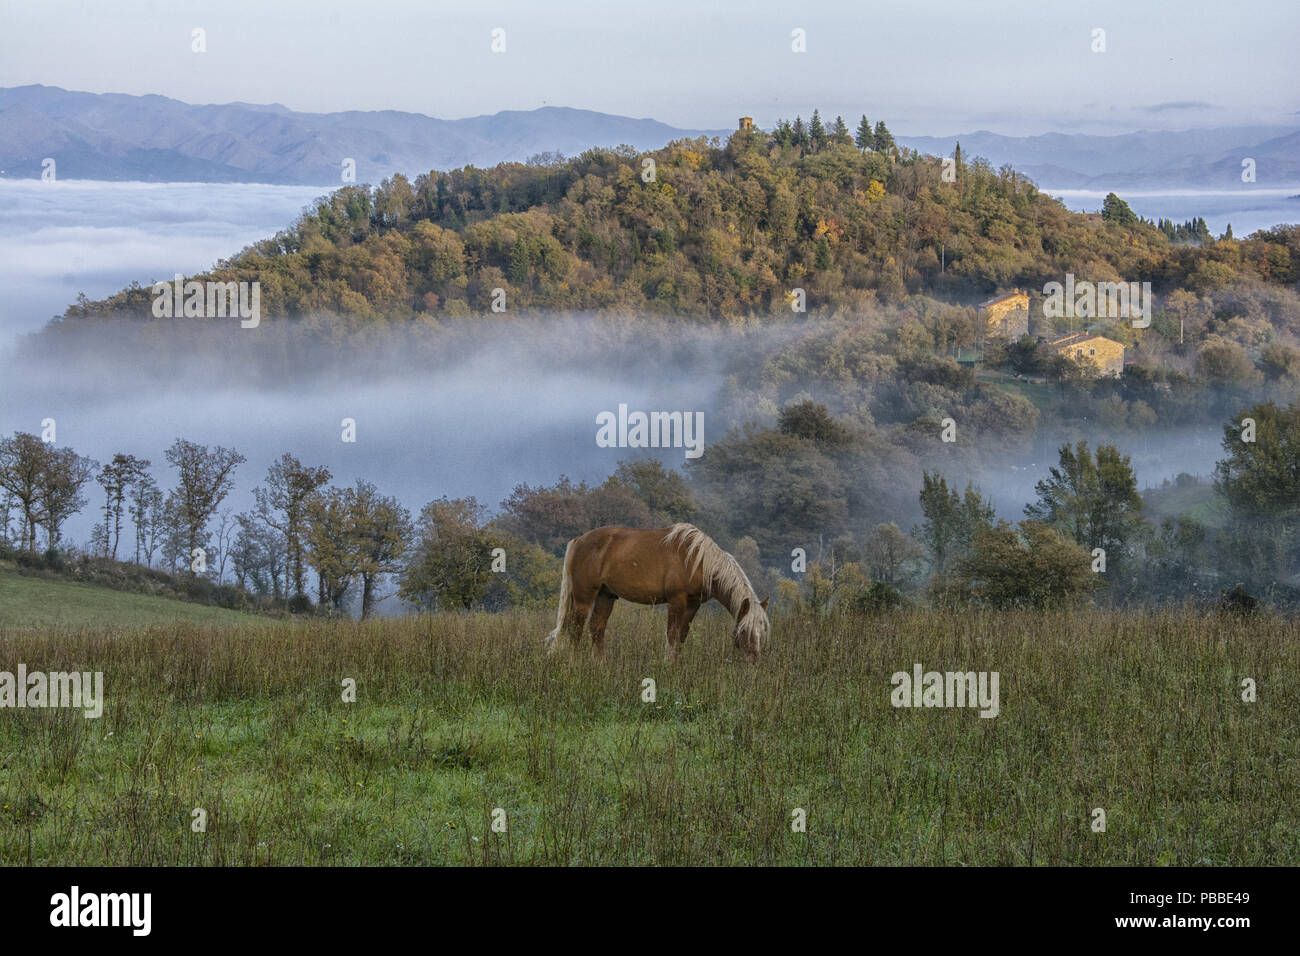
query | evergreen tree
[883, 140]
[817, 132]
[864, 139]
[841, 133]
[1116, 210]
[823, 256]
[800, 134]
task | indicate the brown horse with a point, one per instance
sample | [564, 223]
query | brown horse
[679, 566]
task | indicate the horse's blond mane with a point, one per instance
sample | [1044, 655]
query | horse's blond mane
[721, 573]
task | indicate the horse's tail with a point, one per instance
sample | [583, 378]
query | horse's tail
[566, 602]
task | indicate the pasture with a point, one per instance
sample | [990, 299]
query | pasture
[30, 601]
[459, 715]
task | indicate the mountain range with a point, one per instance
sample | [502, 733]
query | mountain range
[113, 136]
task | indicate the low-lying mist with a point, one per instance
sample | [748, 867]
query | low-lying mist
[471, 408]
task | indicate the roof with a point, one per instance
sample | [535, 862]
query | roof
[1017, 294]
[1078, 338]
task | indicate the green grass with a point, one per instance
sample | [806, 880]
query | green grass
[52, 603]
[1201, 503]
[1138, 714]
[1036, 393]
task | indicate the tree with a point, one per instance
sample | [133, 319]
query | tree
[146, 505]
[840, 133]
[800, 134]
[864, 139]
[451, 564]
[1116, 210]
[665, 493]
[226, 529]
[116, 478]
[205, 476]
[331, 550]
[883, 140]
[890, 554]
[813, 421]
[380, 529]
[817, 132]
[1026, 566]
[63, 476]
[1261, 478]
[951, 522]
[1092, 499]
[22, 464]
[281, 503]
[257, 558]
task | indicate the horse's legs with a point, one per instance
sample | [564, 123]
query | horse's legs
[688, 615]
[578, 615]
[677, 623]
[599, 615]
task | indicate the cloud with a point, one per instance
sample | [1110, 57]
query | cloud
[1180, 105]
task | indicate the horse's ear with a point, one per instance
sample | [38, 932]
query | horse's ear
[744, 609]
[763, 604]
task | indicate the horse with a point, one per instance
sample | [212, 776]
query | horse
[680, 566]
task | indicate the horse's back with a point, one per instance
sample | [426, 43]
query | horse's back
[632, 563]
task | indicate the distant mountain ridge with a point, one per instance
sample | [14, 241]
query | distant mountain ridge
[113, 136]
[1198, 158]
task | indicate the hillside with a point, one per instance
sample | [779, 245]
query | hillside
[698, 229]
[52, 603]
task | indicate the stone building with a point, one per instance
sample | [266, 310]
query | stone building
[1006, 316]
[1105, 355]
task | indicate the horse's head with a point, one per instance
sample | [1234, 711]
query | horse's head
[751, 628]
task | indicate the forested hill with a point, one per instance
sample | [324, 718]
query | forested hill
[709, 229]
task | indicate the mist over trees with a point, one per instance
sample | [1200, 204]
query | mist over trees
[772, 495]
[827, 416]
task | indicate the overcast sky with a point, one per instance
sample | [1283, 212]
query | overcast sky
[931, 67]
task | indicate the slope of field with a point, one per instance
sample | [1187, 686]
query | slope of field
[1199, 502]
[462, 720]
[50, 603]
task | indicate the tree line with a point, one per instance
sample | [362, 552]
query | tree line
[767, 494]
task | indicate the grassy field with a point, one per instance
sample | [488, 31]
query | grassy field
[52, 604]
[1199, 502]
[456, 716]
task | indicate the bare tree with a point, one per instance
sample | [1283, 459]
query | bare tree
[116, 478]
[146, 512]
[206, 476]
[225, 536]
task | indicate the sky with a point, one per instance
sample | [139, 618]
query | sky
[1016, 67]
